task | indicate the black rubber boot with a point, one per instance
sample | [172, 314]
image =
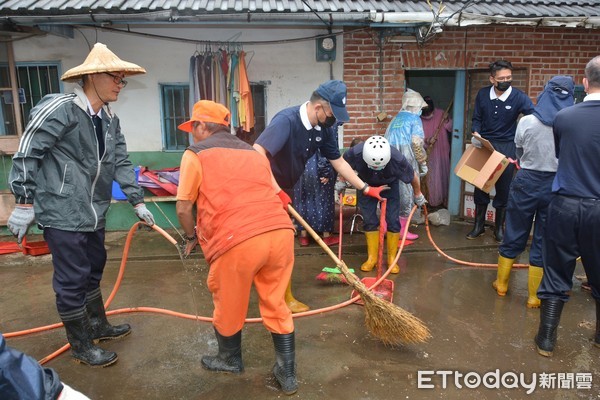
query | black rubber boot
[545, 339]
[229, 358]
[101, 328]
[285, 362]
[499, 224]
[479, 227]
[597, 338]
[79, 334]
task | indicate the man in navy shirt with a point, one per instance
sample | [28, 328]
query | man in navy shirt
[574, 211]
[294, 135]
[497, 108]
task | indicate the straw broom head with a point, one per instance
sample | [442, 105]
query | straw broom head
[386, 321]
[389, 323]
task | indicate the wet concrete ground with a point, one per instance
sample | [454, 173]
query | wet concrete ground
[473, 330]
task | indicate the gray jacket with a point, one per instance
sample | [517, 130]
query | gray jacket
[57, 167]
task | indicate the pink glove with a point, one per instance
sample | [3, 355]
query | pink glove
[375, 191]
[285, 199]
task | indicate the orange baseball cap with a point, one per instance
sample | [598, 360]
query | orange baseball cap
[207, 111]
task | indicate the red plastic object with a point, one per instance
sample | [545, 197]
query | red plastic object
[9, 247]
[35, 248]
[385, 289]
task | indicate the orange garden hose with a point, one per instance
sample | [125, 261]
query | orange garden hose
[121, 273]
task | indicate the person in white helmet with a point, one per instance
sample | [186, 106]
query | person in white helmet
[379, 164]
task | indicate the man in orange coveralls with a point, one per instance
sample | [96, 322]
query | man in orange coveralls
[245, 238]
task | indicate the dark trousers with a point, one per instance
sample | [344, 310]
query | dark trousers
[502, 185]
[572, 230]
[529, 196]
[79, 259]
[368, 208]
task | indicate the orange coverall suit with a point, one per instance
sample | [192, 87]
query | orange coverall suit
[245, 234]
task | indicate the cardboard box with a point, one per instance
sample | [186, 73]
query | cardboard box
[481, 167]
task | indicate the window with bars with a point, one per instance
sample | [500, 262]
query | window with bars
[34, 80]
[175, 100]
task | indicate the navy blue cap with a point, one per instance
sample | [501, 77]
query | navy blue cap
[335, 93]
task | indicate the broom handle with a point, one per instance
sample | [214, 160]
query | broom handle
[341, 222]
[352, 279]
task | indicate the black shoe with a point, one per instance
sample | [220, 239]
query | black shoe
[479, 227]
[499, 224]
[545, 340]
[79, 335]
[284, 369]
[101, 328]
[229, 358]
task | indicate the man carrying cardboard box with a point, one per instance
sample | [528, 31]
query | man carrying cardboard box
[497, 108]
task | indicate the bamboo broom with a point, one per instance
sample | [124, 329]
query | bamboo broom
[386, 321]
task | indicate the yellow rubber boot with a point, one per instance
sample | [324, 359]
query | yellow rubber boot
[501, 282]
[294, 305]
[372, 250]
[392, 249]
[535, 277]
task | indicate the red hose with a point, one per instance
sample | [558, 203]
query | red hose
[121, 273]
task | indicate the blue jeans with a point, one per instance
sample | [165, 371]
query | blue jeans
[529, 196]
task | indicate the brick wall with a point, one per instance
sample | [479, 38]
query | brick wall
[541, 52]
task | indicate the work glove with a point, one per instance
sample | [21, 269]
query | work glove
[20, 220]
[285, 199]
[476, 142]
[423, 170]
[68, 393]
[144, 214]
[420, 200]
[375, 191]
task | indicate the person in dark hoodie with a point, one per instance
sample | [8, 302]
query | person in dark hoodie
[530, 191]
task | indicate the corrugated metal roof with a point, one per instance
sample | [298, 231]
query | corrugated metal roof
[509, 8]
[58, 11]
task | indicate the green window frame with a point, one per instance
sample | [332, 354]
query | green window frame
[34, 80]
[175, 105]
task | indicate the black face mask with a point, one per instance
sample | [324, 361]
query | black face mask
[503, 86]
[427, 111]
[328, 123]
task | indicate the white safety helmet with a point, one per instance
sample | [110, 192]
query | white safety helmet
[376, 152]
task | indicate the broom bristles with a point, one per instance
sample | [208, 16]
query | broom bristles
[388, 322]
[392, 324]
[331, 277]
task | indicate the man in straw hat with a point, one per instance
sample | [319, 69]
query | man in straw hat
[245, 239]
[61, 176]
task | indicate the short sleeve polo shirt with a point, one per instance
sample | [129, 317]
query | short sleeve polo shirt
[290, 144]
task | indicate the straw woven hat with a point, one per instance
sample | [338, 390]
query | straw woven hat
[101, 59]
